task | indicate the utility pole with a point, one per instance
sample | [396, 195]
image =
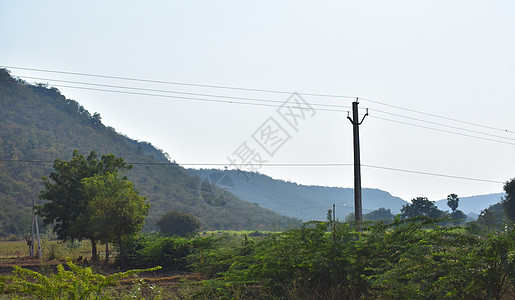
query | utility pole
[357, 161]
[34, 225]
[31, 241]
[334, 223]
[37, 234]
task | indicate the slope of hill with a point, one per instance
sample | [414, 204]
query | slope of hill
[38, 125]
[301, 201]
[473, 204]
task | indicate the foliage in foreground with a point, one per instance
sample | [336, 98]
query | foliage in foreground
[413, 259]
[169, 252]
[77, 283]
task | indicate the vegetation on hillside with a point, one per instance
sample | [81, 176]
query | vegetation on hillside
[38, 124]
[302, 201]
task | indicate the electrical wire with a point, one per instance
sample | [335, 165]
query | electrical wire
[284, 165]
[267, 105]
[191, 98]
[432, 174]
[254, 90]
[176, 83]
[253, 99]
[178, 92]
[318, 109]
[437, 116]
[441, 130]
[440, 124]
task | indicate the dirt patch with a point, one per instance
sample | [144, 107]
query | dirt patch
[33, 263]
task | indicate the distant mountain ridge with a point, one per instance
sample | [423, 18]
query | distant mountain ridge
[312, 202]
[302, 201]
[473, 204]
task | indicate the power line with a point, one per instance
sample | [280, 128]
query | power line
[263, 105]
[282, 165]
[432, 174]
[253, 90]
[177, 83]
[187, 98]
[175, 92]
[442, 130]
[436, 116]
[440, 124]
[198, 164]
[191, 98]
[318, 109]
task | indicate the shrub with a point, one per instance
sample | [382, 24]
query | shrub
[77, 283]
[169, 252]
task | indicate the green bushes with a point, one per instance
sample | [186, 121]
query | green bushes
[407, 259]
[77, 283]
[413, 259]
[169, 252]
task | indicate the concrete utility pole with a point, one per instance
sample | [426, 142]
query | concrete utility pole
[34, 225]
[357, 163]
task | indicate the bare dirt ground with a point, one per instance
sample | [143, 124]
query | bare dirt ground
[6, 264]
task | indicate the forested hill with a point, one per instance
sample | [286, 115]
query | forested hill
[302, 201]
[312, 202]
[38, 125]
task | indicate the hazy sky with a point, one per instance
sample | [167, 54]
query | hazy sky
[447, 59]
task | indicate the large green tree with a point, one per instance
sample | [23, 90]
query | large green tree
[116, 210]
[381, 214]
[421, 206]
[508, 203]
[67, 209]
[178, 223]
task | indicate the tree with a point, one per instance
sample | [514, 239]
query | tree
[508, 202]
[493, 216]
[67, 210]
[456, 215]
[178, 223]
[453, 202]
[381, 214]
[421, 206]
[116, 210]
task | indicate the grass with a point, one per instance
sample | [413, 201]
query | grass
[50, 249]
[234, 232]
[10, 249]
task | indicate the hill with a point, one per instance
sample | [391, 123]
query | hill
[312, 202]
[297, 200]
[38, 124]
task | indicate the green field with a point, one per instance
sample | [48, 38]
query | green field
[9, 249]
[54, 249]
[51, 249]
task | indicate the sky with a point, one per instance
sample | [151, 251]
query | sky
[267, 85]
